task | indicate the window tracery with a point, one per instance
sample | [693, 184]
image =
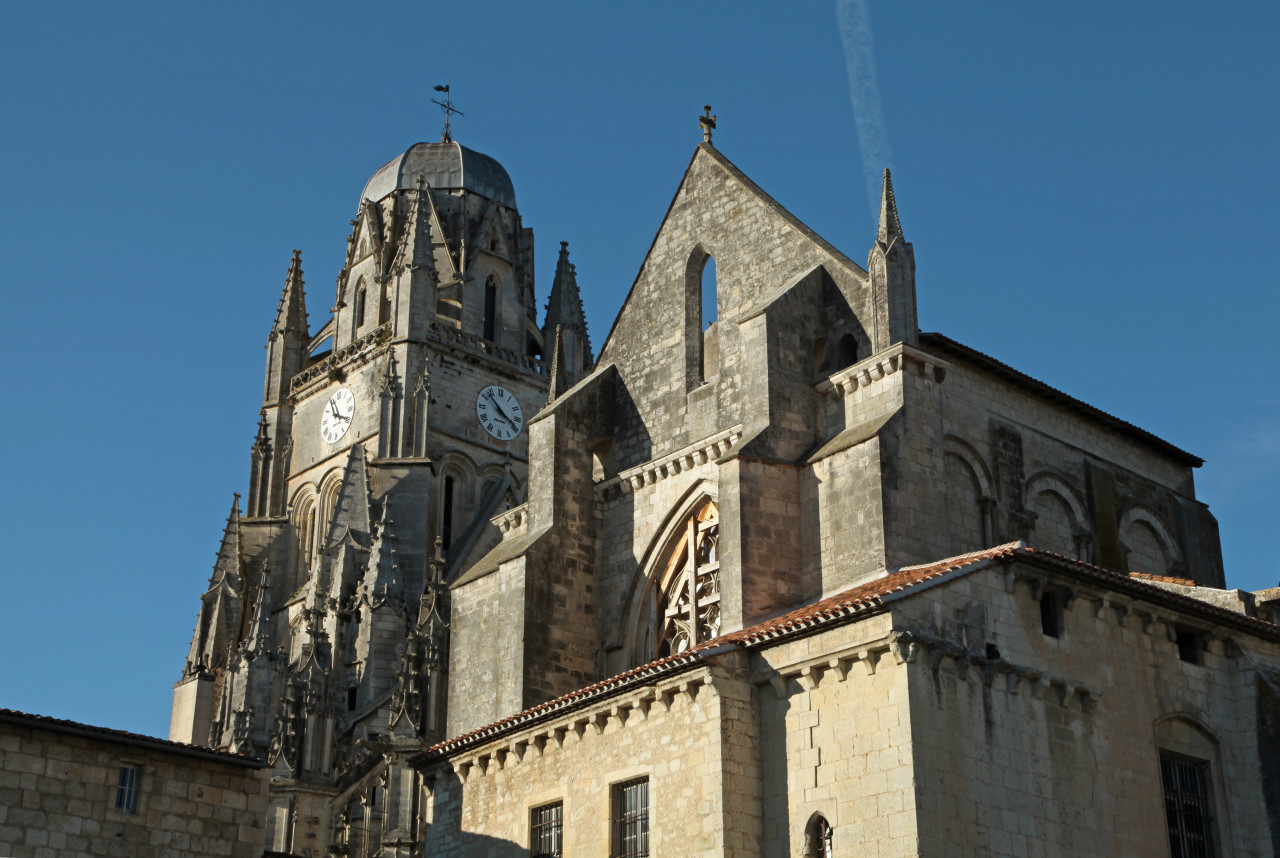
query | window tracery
[690, 609]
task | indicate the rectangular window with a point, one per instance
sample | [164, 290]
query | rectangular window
[631, 819]
[1190, 646]
[127, 790]
[1051, 614]
[545, 831]
[1187, 807]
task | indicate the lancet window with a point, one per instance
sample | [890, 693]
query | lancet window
[690, 609]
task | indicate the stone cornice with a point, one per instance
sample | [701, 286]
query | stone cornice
[356, 354]
[513, 522]
[880, 366]
[480, 346]
[655, 470]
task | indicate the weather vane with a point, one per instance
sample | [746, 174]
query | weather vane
[706, 122]
[449, 110]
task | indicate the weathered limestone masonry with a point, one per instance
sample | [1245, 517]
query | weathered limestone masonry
[686, 725]
[735, 517]
[938, 711]
[61, 788]
[390, 437]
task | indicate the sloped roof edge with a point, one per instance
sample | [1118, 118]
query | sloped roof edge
[123, 737]
[866, 599]
[952, 348]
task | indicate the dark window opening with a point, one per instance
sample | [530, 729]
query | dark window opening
[490, 309]
[1190, 646]
[1051, 614]
[631, 819]
[546, 831]
[446, 518]
[127, 790]
[821, 360]
[359, 311]
[1187, 808]
[993, 652]
[846, 351]
[352, 694]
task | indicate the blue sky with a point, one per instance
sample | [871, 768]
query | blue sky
[1089, 188]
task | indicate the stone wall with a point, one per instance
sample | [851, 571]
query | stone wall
[58, 791]
[692, 736]
[1031, 744]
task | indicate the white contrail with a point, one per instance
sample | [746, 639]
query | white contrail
[864, 92]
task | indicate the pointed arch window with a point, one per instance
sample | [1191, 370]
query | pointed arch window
[491, 308]
[384, 303]
[689, 613]
[817, 838]
[359, 308]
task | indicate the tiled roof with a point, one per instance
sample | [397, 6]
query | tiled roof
[667, 666]
[1167, 579]
[865, 599]
[61, 725]
[951, 348]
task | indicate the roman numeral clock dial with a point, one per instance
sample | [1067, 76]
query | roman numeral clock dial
[499, 412]
[335, 420]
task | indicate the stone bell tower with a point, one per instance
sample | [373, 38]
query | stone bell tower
[389, 438]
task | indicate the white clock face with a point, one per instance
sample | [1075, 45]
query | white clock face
[336, 419]
[499, 413]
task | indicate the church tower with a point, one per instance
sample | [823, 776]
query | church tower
[388, 440]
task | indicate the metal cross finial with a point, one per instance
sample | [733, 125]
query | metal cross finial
[449, 110]
[707, 123]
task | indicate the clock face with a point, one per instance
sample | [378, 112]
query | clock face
[336, 419]
[499, 412]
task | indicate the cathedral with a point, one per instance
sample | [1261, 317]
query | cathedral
[785, 577]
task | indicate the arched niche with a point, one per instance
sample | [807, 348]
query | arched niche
[1061, 522]
[970, 498]
[1147, 543]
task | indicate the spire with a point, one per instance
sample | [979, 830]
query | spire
[564, 310]
[383, 578]
[291, 313]
[226, 568]
[258, 638]
[557, 384]
[288, 340]
[890, 226]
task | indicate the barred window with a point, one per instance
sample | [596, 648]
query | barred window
[631, 819]
[1187, 807]
[545, 826]
[127, 790]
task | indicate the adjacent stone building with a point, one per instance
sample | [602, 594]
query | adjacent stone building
[860, 589]
[74, 789]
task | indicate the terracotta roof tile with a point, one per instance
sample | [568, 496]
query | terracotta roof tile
[1147, 576]
[867, 597]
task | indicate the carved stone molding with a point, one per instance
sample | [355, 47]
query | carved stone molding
[656, 470]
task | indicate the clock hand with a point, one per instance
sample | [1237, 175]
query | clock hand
[501, 410]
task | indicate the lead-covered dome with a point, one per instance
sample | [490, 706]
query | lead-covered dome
[447, 166]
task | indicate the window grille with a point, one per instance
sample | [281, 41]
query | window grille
[545, 831]
[1187, 808]
[127, 790]
[631, 819]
